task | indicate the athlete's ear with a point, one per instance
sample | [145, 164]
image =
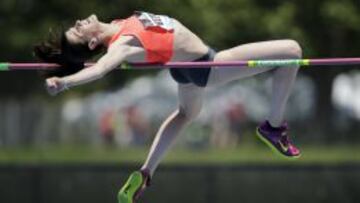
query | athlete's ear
[93, 43]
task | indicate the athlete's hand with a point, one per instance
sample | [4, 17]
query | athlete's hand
[54, 85]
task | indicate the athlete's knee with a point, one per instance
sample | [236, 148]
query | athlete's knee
[189, 113]
[293, 48]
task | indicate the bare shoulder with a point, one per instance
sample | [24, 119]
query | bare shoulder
[126, 41]
[129, 48]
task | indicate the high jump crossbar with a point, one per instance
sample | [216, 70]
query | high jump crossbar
[249, 63]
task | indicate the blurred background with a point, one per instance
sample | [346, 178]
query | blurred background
[81, 145]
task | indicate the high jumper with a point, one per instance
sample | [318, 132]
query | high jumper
[158, 39]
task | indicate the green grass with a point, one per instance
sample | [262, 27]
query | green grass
[242, 154]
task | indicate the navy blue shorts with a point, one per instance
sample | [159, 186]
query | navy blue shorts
[197, 76]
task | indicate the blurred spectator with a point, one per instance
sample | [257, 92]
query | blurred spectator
[137, 126]
[236, 116]
[227, 125]
[107, 127]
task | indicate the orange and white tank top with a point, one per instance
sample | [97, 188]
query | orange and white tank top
[155, 33]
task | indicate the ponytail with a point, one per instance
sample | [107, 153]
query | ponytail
[70, 57]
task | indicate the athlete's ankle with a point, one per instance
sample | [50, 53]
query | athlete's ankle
[275, 125]
[146, 173]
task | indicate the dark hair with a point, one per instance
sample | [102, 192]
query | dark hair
[70, 57]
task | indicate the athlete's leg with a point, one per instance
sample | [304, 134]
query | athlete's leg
[283, 77]
[273, 131]
[190, 103]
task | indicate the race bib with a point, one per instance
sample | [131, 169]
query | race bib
[152, 20]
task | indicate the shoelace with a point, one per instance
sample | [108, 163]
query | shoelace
[284, 139]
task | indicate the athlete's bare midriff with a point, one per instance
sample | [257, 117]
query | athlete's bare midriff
[187, 46]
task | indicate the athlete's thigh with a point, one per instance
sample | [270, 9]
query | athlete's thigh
[276, 49]
[190, 99]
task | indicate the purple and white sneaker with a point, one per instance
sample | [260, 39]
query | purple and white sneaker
[277, 139]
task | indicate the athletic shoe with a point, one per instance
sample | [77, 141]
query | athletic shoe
[277, 139]
[134, 187]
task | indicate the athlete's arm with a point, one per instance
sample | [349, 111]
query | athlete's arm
[116, 55]
[111, 60]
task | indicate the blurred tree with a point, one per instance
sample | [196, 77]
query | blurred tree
[333, 33]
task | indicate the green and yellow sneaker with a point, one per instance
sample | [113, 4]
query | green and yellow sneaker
[134, 186]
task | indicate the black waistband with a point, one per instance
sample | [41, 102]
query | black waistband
[197, 76]
[209, 56]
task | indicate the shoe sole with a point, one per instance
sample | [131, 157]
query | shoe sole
[132, 185]
[274, 149]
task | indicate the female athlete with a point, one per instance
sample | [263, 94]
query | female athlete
[147, 37]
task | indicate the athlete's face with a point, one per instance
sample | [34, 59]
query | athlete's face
[83, 30]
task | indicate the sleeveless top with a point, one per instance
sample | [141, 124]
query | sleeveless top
[155, 33]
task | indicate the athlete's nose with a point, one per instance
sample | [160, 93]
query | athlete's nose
[93, 17]
[78, 23]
